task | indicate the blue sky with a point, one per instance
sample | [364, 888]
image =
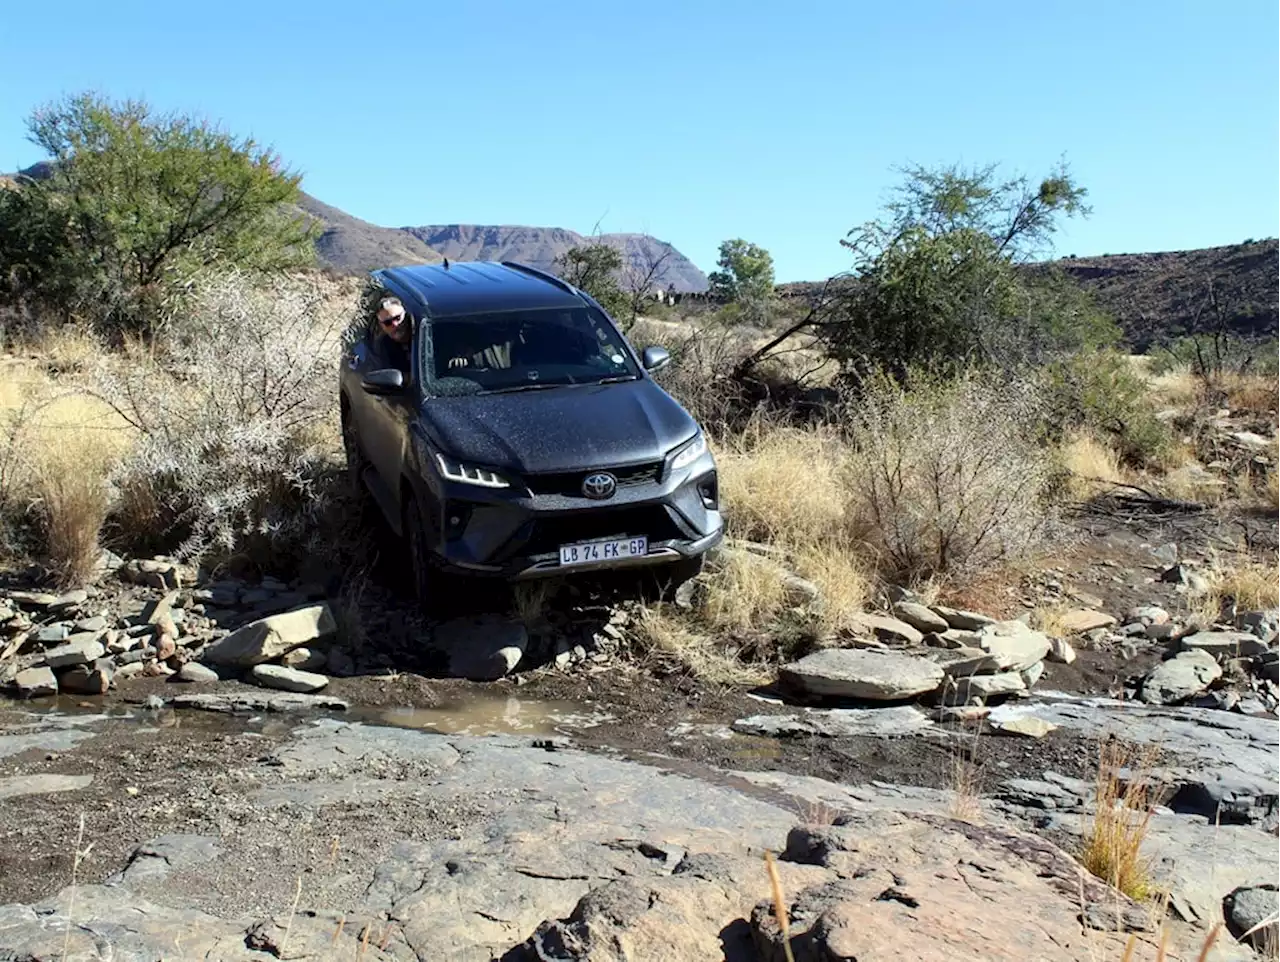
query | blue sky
[698, 121]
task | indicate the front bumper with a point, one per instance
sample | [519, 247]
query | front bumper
[516, 534]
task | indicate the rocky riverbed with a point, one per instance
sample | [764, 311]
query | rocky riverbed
[323, 838]
[218, 768]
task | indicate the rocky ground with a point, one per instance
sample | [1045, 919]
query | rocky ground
[237, 765]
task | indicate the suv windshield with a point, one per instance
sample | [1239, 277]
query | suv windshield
[522, 349]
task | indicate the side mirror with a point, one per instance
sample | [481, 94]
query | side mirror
[386, 381]
[655, 359]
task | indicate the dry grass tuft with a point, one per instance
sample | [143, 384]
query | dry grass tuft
[671, 642]
[744, 591]
[841, 577]
[74, 506]
[964, 778]
[1092, 465]
[783, 485]
[1236, 584]
[1113, 841]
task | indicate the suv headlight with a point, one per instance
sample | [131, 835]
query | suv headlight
[470, 474]
[690, 452]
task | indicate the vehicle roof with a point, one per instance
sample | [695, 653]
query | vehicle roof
[477, 287]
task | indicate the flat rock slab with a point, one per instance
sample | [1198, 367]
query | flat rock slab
[867, 674]
[1079, 620]
[838, 722]
[920, 617]
[248, 701]
[15, 785]
[1014, 644]
[962, 620]
[1229, 644]
[287, 679]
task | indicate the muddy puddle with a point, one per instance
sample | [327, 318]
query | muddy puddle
[475, 714]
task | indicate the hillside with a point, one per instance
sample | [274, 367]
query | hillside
[350, 244]
[1165, 295]
[1161, 296]
[540, 246]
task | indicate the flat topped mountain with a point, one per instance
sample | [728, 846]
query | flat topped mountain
[540, 246]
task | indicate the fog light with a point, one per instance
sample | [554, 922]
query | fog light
[455, 521]
[709, 491]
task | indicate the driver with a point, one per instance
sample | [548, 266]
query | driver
[397, 333]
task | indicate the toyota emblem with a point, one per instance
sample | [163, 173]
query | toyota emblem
[599, 487]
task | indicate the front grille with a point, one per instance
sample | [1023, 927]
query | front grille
[546, 535]
[569, 484]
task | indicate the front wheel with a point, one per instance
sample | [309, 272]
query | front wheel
[668, 578]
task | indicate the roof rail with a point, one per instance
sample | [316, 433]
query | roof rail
[544, 275]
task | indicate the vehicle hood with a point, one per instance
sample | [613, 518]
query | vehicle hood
[560, 429]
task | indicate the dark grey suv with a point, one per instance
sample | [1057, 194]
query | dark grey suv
[519, 435]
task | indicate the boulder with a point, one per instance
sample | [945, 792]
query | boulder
[1080, 620]
[79, 650]
[959, 662]
[305, 659]
[838, 723]
[1014, 644]
[196, 673]
[1253, 909]
[1236, 644]
[1148, 615]
[482, 648]
[88, 679]
[1264, 624]
[961, 690]
[1061, 651]
[862, 673]
[1032, 674]
[269, 638]
[35, 683]
[887, 629]
[1182, 676]
[287, 679]
[920, 617]
[962, 620]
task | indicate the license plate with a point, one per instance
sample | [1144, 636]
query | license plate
[592, 552]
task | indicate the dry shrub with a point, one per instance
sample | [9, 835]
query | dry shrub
[947, 479]
[230, 415]
[1122, 817]
[840, 575]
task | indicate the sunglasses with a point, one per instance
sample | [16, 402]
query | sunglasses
[392, 321]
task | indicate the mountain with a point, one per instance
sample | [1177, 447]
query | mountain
[540, 246]
[1165, 295]
[347, 243]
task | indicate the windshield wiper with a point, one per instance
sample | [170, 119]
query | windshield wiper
[616, 379]
[542, 386]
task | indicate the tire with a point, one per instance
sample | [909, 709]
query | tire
[668, 578]
[355, 459]
[424, 576]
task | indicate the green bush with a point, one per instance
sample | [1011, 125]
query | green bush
[1102, 392]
